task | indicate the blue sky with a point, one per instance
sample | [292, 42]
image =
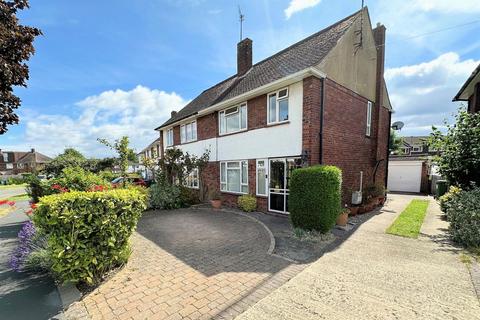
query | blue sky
[110, 68]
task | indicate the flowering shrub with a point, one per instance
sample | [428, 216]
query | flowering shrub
[30, 241]
[247, 203]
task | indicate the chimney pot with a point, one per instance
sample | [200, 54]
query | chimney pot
[244, 56]
[173, 113]
[32, 150]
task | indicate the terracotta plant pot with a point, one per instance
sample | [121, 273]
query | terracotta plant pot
[361, 210]
[381, 200]
[353, 211]
[342, 219]
[216, 204]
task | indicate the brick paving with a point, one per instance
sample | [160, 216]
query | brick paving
[190, 264]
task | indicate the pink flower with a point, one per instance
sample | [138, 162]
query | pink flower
[11, 203]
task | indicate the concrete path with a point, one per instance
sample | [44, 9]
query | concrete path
[373, 275]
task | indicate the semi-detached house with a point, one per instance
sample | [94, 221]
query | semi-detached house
[322, 100]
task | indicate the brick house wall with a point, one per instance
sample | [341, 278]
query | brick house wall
[345, 143]
[312, 101]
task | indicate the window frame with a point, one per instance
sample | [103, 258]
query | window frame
[5, 156]
[240, 169]
[169, 135]
[277, 106]
[184, 131]
[265, 166]
[416, 149]
[368, 131]
[9, 166]
[224, 112]
[190, 178]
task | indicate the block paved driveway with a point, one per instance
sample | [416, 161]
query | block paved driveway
[190, 264]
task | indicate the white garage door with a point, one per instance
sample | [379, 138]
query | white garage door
[404, 176]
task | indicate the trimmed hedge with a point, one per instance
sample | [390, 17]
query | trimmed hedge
[247, 203]
[463, 212]
[315, 197]
[88, 232]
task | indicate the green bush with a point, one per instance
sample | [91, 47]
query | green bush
[315, 196]
[247, 203]
[464, 216]
[165, 196]
[188, 196]
[88, 232]
[446, 200]
[37, 188]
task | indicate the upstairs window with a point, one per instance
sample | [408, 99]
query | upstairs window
[369, 119]
[188, 132]
[233, 119]
[5, 157]
[278, 106]
[169, 137]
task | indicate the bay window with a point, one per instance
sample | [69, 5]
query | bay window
[188, 132]
[234, 176]
[169, 137]
[277, 110]
[233, 119]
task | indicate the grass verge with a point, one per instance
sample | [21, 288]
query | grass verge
[19, 197]
[12, 186]
[409, 222]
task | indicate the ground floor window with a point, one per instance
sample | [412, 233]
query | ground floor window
[234, 176]
[192, 179]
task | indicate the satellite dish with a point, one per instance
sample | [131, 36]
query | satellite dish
[398, 125]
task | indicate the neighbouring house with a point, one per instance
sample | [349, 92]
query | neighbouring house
[409, 170]
[470, 91]
[152, 151]
[18, 162]
[322, 100]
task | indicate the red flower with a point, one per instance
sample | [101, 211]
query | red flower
[11, 203]
[29, 212]
[3, 202]
[33, 206]
[56, 187]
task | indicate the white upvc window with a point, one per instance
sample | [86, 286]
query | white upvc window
[192, 179]
[170, 137]
[9, 165]
[20, 165]
[233, 119]
[261, 175]
[369, 119]
[234, 176]
[188, 132]
[5, 157]
[416, 149]
[277, 110]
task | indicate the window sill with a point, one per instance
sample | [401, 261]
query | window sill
[230, 133]
[262, 196]
[273, 124]
[233, 193]
[188, 142]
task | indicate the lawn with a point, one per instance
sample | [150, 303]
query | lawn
[19, 197]
[12, 186]
[409, 222]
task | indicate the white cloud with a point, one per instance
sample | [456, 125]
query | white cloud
[110, 114]
[299, 5]
[421, 94]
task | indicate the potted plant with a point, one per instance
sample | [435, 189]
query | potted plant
[342, 218]
[215, 199]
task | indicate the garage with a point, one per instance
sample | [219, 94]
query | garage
[405, 176]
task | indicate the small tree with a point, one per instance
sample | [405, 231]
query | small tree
[125, 153]
[459, 159]
[69, 158]
[149, 164]
[395, 143]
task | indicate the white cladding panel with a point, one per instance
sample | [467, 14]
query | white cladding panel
[404, 176]
[272, 141]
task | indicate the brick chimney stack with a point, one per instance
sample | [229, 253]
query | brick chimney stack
[244, 56]
[173, 113]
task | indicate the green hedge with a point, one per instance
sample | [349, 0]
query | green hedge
[247, 203]
[463, 212]
[315, 197]
[88, 232]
